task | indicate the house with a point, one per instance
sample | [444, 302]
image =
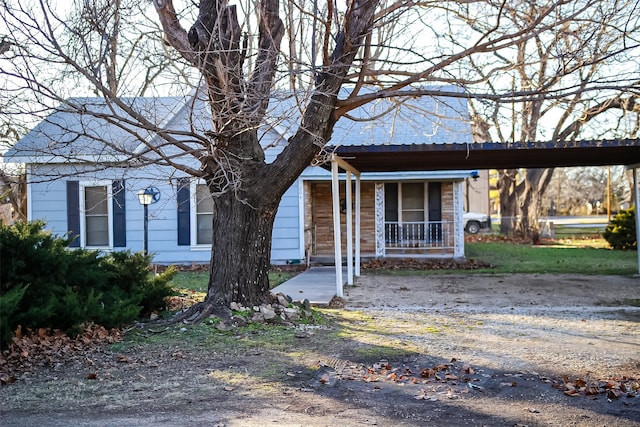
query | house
[82, 180]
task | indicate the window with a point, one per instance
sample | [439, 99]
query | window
[404, 202]
[195, 213]
[412, 202]
[204, 215]
[96, 214]
[412, 212]
[95, 202]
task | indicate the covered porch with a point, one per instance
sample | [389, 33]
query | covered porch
[355, 159]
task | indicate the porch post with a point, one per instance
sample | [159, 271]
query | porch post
[458, 222]
[349, 220]
[636, 204]
[379, 215]
[337, 243]
[357, 226]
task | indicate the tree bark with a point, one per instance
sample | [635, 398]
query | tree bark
[536, 182]
[507, 186]
[240, 251]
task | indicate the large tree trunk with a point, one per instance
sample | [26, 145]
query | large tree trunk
[240, 251]
[507, 187]
[536, 183]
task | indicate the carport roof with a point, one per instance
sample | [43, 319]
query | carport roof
[489, 155]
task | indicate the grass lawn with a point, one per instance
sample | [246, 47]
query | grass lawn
[198, 280]
[590, 256]
[574, 251]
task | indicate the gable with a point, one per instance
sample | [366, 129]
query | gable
[84, 130]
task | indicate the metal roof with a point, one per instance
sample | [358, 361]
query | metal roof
[489, 155]
[91, 129]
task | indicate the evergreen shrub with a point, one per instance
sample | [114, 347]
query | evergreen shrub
[44, 284]
[620, 233]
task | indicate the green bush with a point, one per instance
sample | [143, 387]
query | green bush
[621, 231]
[44, 284]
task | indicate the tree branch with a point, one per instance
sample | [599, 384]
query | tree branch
[628, 104]
[175, 34]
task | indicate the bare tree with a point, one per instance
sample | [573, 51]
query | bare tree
[12, 180]
[586, 50]
[572, 190]
[51, 53]
[246, 53]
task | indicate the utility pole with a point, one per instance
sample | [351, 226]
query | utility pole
[608, 193]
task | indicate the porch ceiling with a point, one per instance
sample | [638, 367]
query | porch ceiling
[490, 155]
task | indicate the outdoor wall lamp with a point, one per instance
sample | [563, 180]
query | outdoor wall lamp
[147, 197]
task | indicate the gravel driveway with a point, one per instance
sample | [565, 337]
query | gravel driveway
[437, 350]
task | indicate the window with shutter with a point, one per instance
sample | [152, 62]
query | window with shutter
[96, 215]
[204, 215]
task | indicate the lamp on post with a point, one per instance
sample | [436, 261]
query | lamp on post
[147, 197]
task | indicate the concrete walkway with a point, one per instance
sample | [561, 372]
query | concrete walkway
[317, 284]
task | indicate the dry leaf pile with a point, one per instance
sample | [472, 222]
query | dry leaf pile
[613, 388]
[184, 300]
[422, 264]
[449, 380]
[452, 380]
[30, 350]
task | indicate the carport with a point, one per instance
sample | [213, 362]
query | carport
[356, 159]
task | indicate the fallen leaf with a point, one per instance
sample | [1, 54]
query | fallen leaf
[591, 391]
[92, 376]
[614, 394]
[511, 384]
[124, 359]
[426, 373]
[7, 380]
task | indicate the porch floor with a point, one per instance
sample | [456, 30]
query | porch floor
[317, 284]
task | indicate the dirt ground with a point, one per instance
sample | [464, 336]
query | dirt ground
[439, 350]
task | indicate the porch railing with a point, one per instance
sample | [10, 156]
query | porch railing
[419, 235]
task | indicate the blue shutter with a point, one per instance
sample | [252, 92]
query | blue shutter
[73, 212]
[184, 212]
[119, 215]
[435, 201]
[435, 210]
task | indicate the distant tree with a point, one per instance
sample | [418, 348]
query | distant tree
[571, 189]
[12, 180]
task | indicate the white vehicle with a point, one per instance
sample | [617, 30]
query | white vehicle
[474, 222]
